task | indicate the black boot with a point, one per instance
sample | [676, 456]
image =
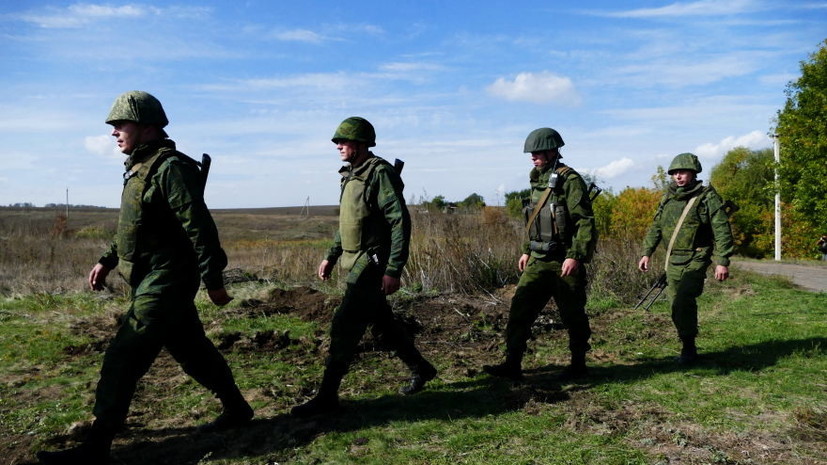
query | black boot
[237, 412]
[325, 401]
[93, 451]
[689, 352]
[577, 368]
[511, 368]
[420, 375]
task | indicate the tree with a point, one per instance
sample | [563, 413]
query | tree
[746, 177]
[632, 212]
[603, 207]
[473, 202]
[802, 132]
[437, 203]
[514, 202]
[660, 179]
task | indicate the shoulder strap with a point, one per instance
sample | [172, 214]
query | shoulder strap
[537, 208]
[148, 167]
[561, 171]
[686, 209]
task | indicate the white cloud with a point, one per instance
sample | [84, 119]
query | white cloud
[300, 35]
[613, 169]
[544, 87]
[699, 8]
[83, 14]
[100, 145]
[700, 72]
[754, 140]
[406, 67]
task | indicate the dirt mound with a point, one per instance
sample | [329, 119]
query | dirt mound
[304, 302]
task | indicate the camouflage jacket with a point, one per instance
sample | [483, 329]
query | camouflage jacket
[384, 229]
[166, 234]
[705, 231]
[574, 226]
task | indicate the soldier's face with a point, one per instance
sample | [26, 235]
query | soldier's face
[127, 135]
[348, 150]
[540, 159]
[683, 177]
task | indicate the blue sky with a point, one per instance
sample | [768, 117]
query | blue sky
[452, 87]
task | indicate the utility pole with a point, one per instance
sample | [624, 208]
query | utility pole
[67, 204]
[776, 145]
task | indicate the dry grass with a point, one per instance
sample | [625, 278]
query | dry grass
[42, 252]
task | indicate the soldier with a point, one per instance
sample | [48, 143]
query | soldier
[562, 237]
[693, 218]
[165, 245]
[372, 247]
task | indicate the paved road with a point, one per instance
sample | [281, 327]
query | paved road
[810, 277]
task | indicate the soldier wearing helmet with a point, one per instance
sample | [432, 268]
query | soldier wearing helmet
[561, 239]
[371, 245]
[692, 221]
[166, 244]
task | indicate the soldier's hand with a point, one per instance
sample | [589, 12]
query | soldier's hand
[569, 267]
[721, 272]
[643, 264]
[390, 284]
[324, 270]
[219, 296]
[97, 277]
[522, 262]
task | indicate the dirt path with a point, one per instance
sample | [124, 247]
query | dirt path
[810, 277]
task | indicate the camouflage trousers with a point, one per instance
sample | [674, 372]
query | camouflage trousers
[539, 283]
[685, 283]
[155, 321]
[363, 305]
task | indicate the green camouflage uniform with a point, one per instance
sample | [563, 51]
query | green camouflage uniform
[166, 243]
[572, 236]
[705, 235]
[372, 241]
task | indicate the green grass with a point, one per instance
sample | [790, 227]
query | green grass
[756, 397]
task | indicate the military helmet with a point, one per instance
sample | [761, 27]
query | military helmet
[685, 161]
[138, 106]
[543, 139]
[355, 128]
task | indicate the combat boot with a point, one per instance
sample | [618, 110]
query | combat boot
[325, 401]
[689, 352]
[237, 412]
[577, 368]
[511, 368]
[420, 375]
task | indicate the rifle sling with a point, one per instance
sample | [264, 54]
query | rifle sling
[678, 228]
[537, 209]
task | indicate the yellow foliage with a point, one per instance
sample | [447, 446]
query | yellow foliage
[633, 211]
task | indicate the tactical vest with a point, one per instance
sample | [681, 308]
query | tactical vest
[132, 238]
[695, 235]
[551, 230]
[358, 228]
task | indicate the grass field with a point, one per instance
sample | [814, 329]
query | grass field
[758, 396]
